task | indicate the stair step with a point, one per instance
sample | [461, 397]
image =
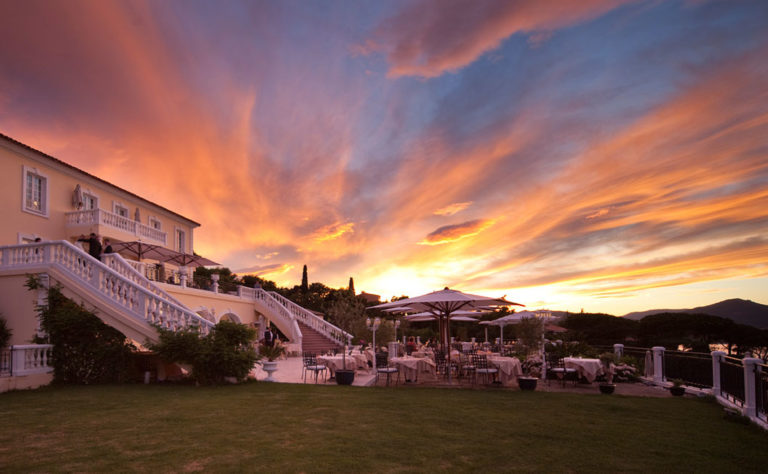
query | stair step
[313, 341]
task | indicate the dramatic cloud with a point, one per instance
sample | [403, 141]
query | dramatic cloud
[431, 37]
[452, 233]
[452, 209]
[618, 147]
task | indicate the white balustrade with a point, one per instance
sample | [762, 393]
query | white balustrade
[136, 296]
[31, 359]
[102, 217]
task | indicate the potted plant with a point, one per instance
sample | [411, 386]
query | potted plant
[532, 371]
[677, 388]
[271, 353]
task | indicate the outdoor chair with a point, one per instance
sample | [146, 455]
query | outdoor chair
[310, 364]
[468, 366]
[556, 369]
[441, 364]
[383, 367]
[482, 368]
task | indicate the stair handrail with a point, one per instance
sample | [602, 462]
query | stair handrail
[312, 320]
[137, 301]
[116, 262]
[278, 309]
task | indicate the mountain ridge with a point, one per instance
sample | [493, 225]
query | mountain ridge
[741, 311]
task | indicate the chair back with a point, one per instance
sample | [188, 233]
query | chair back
[381, 359]
[309, 358]
[480, 361]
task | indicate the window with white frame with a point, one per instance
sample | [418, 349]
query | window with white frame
[120, 210]
[35, 192]
[155, 223]
[90, 201]
[181, 238]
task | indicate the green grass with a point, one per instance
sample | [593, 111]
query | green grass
[307, 428]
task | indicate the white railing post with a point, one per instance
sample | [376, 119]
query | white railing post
[750, 389]
[215, 280]
[717, 357]
[658, 364]
[618, 349]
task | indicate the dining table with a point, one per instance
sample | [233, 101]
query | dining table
[336, 362]
[588, 369]
[411, 366]
[509, 368]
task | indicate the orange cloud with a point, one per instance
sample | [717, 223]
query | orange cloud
[452, 209]
[432, 37]
[333, 231]
[452, 233]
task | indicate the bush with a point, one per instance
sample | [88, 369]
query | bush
[85, 350]
[5, 332]
[226, 351]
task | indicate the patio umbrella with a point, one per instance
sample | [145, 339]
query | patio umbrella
[141, 250]
[77, 197]
[509, 319]
[442, 304]
[189, 260]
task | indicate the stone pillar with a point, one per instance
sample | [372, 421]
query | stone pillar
[215, 279]
[717, 357]
[658, 364]
[618, 349]
[750, 389]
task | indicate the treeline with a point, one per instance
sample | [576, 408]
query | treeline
[694, 332]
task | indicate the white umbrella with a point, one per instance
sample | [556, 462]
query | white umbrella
[430, 317]
[442, 304]
[509, 319]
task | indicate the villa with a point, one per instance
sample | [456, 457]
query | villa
[48, 205]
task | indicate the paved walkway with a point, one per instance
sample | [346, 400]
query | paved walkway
[290, 371]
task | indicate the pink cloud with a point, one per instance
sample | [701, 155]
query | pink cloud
[432, 37]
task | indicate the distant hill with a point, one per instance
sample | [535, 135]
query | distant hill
[741, 311]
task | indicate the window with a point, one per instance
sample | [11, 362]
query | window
[180, 240]
[155, 223]
[35, 192]
[90, 201]
[120, 210]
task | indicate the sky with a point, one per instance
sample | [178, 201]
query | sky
[603, 155]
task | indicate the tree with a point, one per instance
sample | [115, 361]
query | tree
[304, 280]
[599, 328]
[5, 332]
[346, 312]
[351, 286]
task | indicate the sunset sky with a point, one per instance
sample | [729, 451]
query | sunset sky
[599, 154]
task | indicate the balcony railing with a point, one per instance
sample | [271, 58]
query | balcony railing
[109, 219]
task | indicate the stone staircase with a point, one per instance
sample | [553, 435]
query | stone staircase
[315, 342]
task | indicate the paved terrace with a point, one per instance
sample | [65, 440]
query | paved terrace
[290, 371]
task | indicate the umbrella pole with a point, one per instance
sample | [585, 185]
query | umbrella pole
[501, 337]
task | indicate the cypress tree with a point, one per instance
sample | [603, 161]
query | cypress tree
[351, 286]
[304, 280]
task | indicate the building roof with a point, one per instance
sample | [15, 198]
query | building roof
[78, 170]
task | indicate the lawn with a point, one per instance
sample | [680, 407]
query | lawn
[307, 428]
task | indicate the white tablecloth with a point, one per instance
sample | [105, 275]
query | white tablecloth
[336, 362]
[587, 368]
[411, 366]
[509, 368]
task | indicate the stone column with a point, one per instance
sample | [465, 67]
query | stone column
[750, 389]
[658, 364]
[717, 357]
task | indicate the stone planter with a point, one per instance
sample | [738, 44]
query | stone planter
[345, 377]
[269, 367]
[527, 383]
[607, 388]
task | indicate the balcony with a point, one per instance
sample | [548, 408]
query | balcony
[101, 222]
